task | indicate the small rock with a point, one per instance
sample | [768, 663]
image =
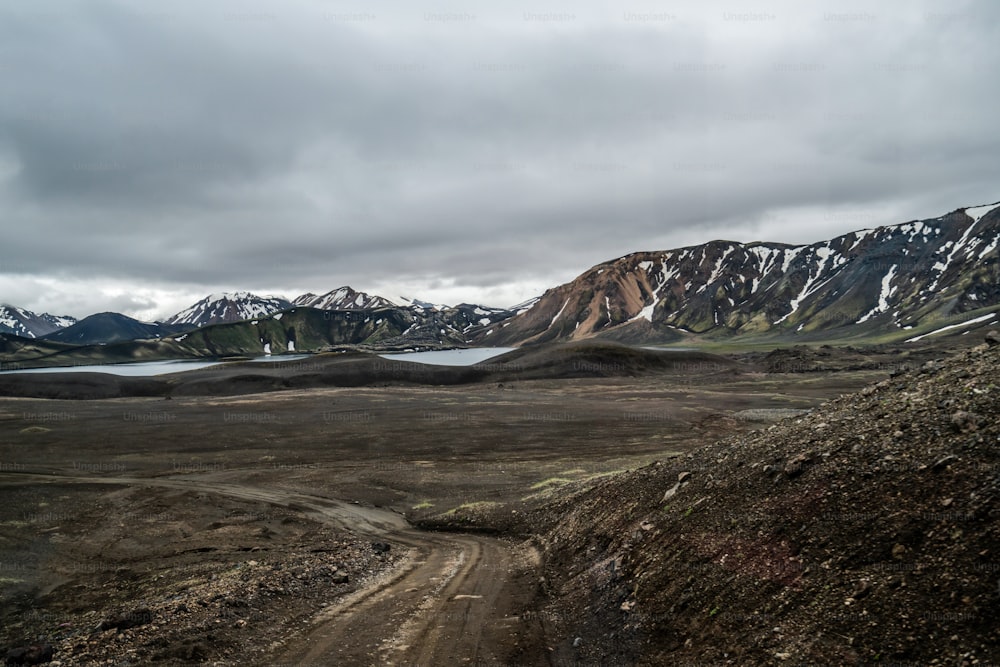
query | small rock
[33, 654]
[898, 550]
[863, 588]
[993, 338]
[964, 422]
[796, 465]
[943, 463]
[380, 547]
[683, 477]
[578, 642]
[671, 492]
[133, 619]
[340, 577]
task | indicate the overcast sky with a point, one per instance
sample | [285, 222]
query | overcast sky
[465, 151]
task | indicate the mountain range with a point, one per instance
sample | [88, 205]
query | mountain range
[893, 282]
[105, 328]
[867, 283]
[21, 322]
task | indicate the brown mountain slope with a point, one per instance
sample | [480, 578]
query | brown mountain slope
[864, 533]
[889, 279]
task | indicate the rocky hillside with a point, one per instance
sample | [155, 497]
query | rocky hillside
[863, 533]
[893, 279]
[24, 323]
[471, 320]
[310, 329]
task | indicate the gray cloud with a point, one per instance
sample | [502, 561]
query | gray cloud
[483, 151]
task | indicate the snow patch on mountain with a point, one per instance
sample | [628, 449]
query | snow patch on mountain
[645, 314]
[526, 305]
[967, 323]
[559, 314]
[883, 297]
[343, 298]
[823, 253]
[978, 212]
[229, 307]
[990, 247]
[951, 255]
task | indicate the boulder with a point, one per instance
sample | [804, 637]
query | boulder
[31, 654]
[132, 619]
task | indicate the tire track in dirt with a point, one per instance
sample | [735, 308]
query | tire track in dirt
[434, 608]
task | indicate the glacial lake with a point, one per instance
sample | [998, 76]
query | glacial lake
[153, 368]
[135, 369]
[450, 357]
[147, 368]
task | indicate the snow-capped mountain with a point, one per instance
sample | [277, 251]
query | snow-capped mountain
[468, 319]
[935, 275]
[24, 323]
[229, 307]
[422, 305]
[343, 298]
[883, 279]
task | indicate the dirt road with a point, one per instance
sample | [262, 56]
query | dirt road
[451, 601]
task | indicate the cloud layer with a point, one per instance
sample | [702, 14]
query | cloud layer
[469, 151]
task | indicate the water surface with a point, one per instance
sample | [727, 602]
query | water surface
[133, 369]
[450, 357]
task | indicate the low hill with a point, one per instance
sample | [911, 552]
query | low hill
[17, 349]
[596, 358]
[352, 369]
[105, 328]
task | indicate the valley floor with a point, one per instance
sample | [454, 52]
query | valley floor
[253, 529]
